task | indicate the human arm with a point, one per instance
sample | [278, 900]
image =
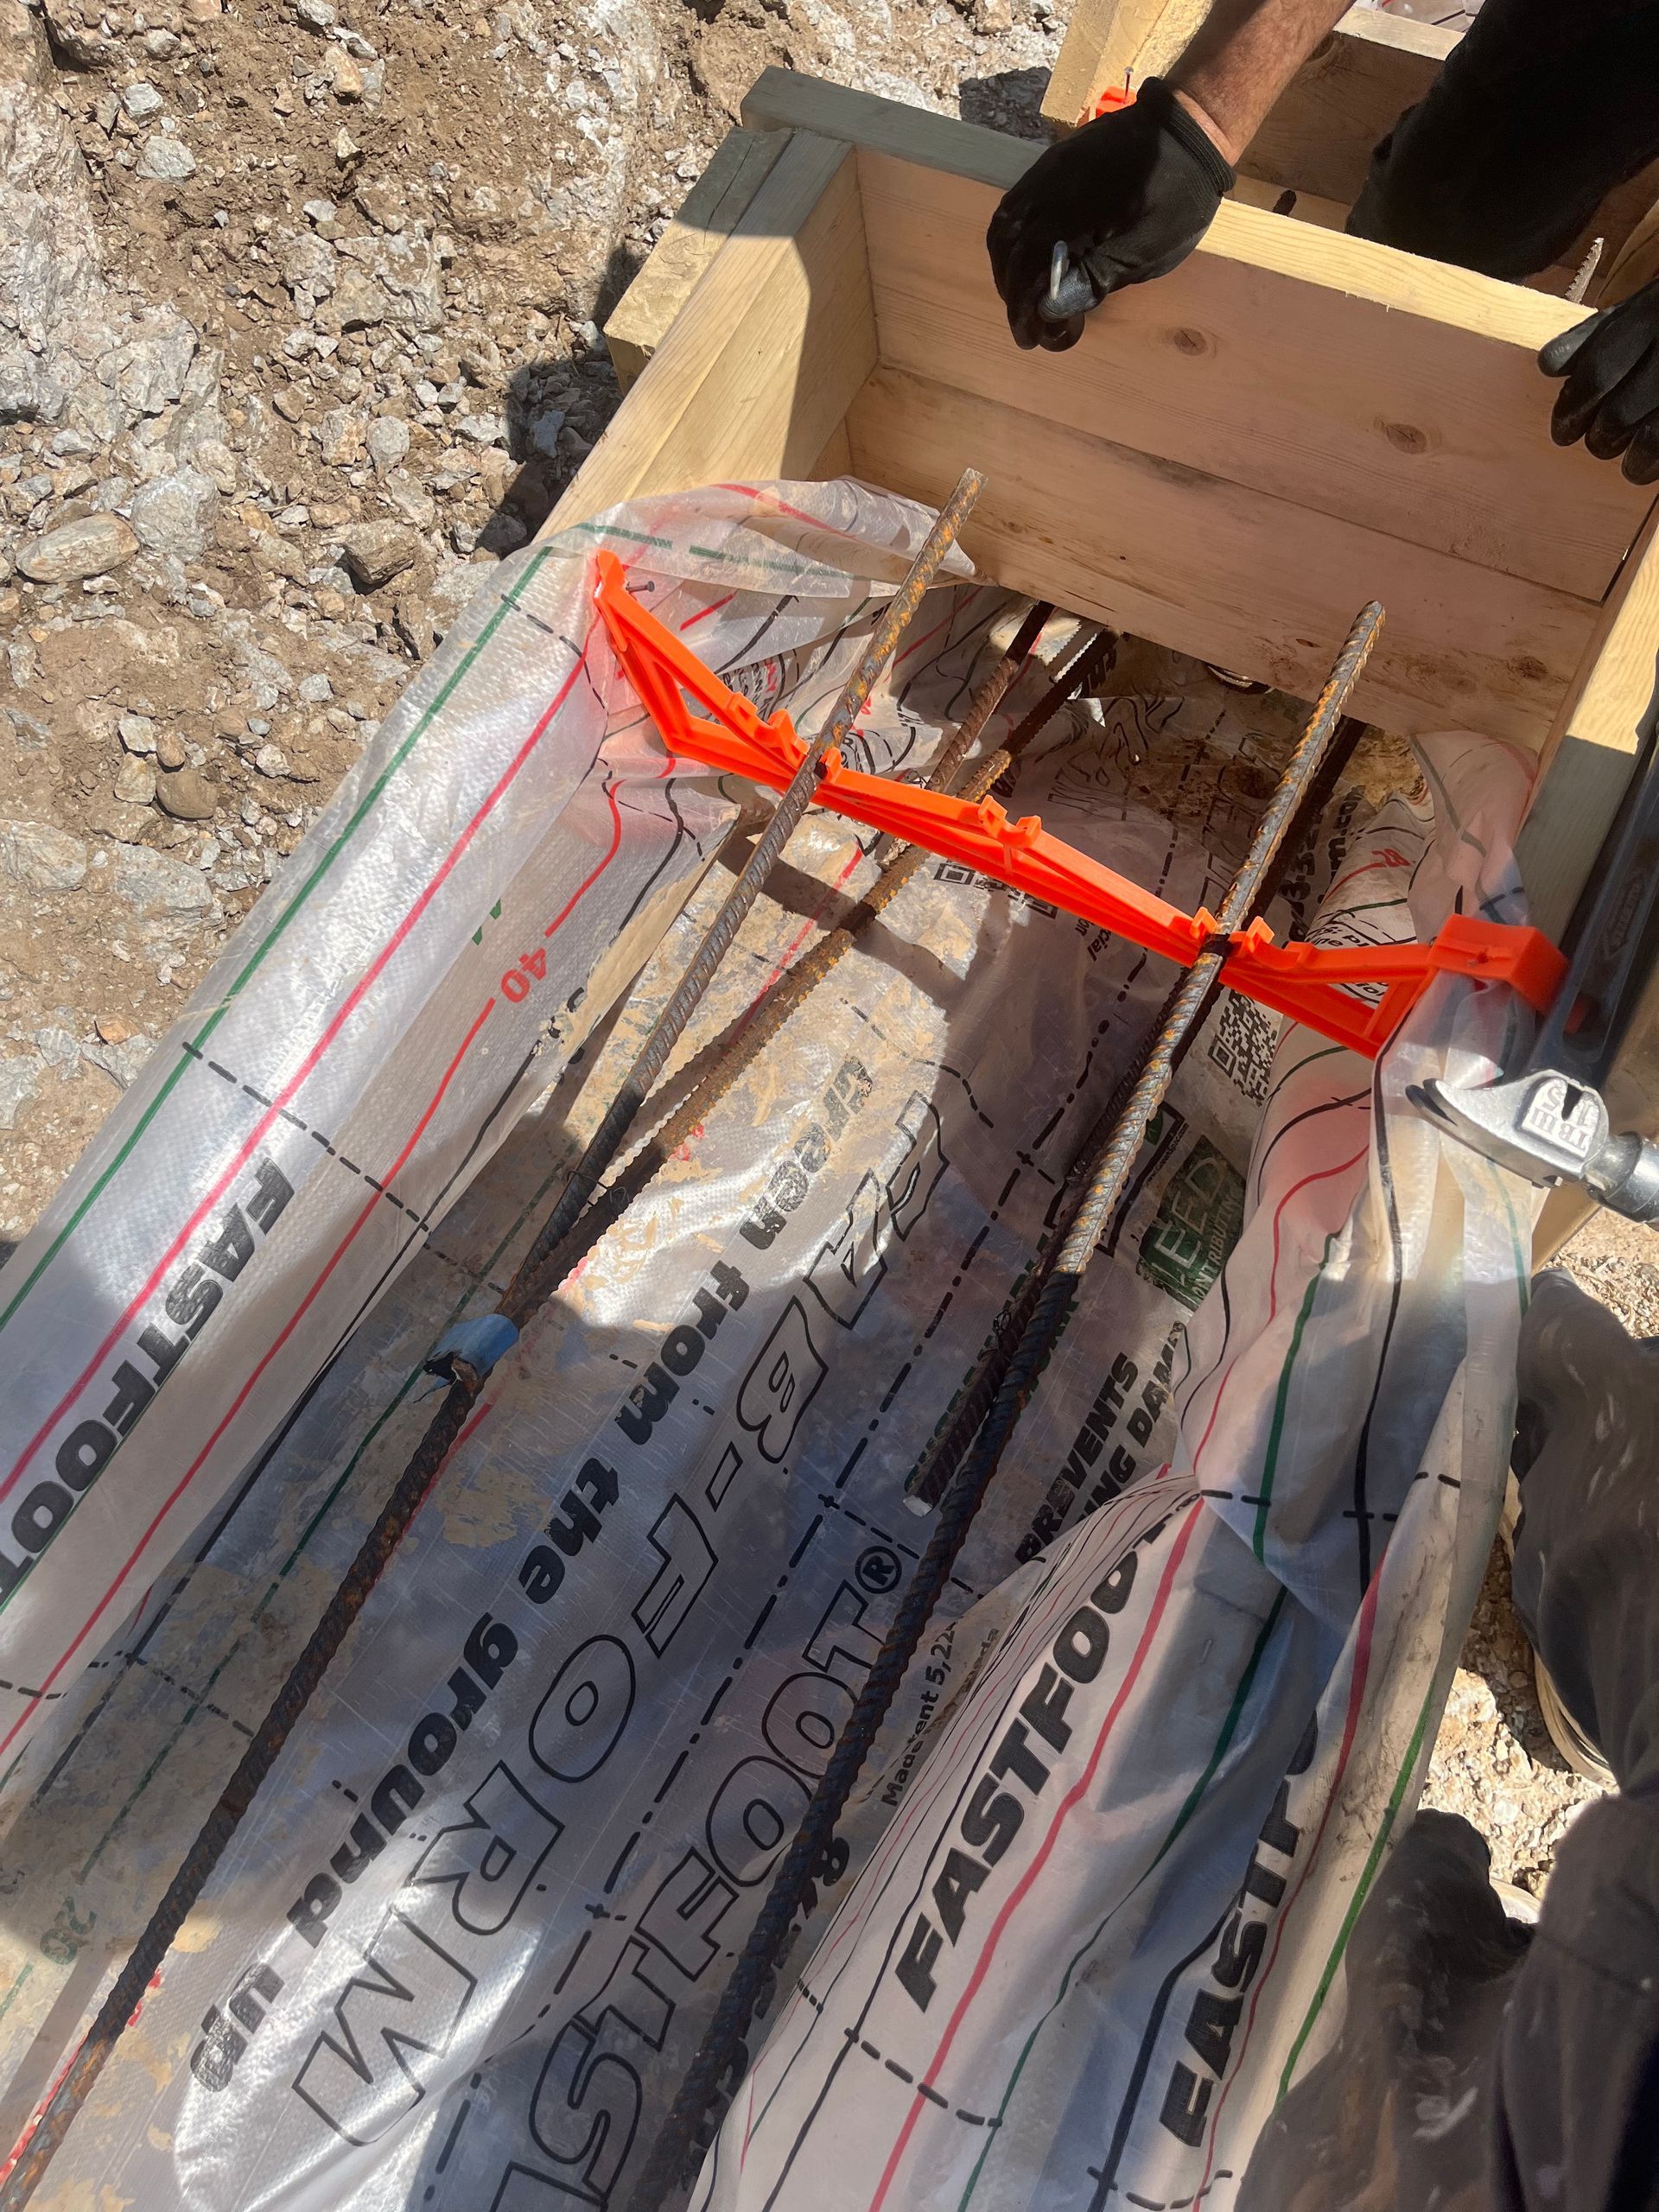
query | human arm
[1131, 194]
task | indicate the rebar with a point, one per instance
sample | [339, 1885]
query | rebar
[670, 1026]
[1050, 1310]
[127, 1991]
[728, 1056]
[392, 1522]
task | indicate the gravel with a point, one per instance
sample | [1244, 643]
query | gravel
[90, 546]
[42, 858]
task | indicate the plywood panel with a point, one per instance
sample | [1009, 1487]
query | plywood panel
[1264, 586]
[1355, 380]
[756, 375]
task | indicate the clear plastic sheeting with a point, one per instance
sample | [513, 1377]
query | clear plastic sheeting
[484, 882]
[464, 1944]
[1099, 1932]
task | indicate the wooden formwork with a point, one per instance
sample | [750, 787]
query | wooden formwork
[1229, 463]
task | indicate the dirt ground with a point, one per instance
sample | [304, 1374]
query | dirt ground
[298, 330]
[1493, 1760]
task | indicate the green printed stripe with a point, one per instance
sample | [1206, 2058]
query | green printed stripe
[1275, 1435]
[359, 813]
[1361, 1891]
[615, 530]
[1235, 1712]
[5, 2006]
[804, 572]
[1397, 1797]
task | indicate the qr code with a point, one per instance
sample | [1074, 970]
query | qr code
[1242, 1044]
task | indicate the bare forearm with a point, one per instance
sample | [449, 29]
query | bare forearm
[1242, 58]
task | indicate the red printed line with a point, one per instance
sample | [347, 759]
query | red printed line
[240, 1399]
[387, 1179]
[1022, 1888]
[1363, 1627]
[769, 498]
[1371, 868]
[360, 991]
[702, 613]
[595, 873]
[1319, 1175]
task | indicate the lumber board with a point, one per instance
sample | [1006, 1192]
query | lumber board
[710, 211]
[1585, 770]
[756, 374]
[1347, 94]
[1231, 575]
[784, 99]
[1589, 751]
[1350, 92]
[1355, 380]
[1102, 41]
[1252, 192]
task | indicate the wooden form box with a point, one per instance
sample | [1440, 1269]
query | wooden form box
[1231, 463]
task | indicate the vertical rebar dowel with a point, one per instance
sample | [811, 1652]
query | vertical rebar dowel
[671, 1023]
[724, 2038]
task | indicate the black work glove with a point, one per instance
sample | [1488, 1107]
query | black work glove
[1610, 398]
[1129, 196]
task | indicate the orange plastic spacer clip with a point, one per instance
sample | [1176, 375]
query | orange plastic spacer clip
[1314, 985]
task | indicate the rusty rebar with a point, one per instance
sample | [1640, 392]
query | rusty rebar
[726, 1058]
[619, 1118]
[758, 1961]
[421, 1470]
[153, 1945]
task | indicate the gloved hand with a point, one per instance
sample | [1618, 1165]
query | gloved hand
[1129, 195]
[1610, 398]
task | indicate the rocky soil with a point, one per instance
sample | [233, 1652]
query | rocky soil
[299, 309]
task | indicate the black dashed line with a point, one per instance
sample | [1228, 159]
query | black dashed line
[668, 1779]
[894, 1388]
[317, 1137]
[799, 1552]
[207, 1705]
[559, 1986]
[961, 2112]
[622, 1858]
